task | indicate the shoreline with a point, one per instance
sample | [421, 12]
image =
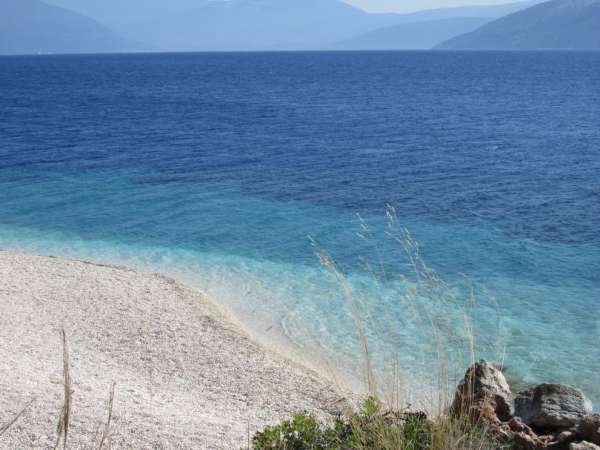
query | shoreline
[275, 337]
[186, 371]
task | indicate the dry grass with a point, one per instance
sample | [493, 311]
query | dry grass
[104, 437]
[439, 313]
[4, 428]
[460, 434]
[62, 429]
[442, 315]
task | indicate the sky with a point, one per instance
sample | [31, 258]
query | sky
[417, 5]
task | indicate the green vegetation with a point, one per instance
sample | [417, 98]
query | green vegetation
[373, 428]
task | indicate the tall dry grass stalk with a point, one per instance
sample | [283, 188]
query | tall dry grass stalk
[104, 437]
[441, 434]
[458, 434]
[440, 313]
[62, 428]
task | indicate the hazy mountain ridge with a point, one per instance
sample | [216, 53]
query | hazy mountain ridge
[116, 13]
[423, 30]
[32, 26]
[478, 11]
[556, 24]
[413, 35]
[292, 25]
[195, 25]
[259, 25]
[234, 25]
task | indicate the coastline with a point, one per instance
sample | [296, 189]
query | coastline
[186, 374]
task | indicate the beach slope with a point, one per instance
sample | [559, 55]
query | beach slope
[186, 377]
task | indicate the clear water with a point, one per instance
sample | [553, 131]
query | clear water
[217, 167]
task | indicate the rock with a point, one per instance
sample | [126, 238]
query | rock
[483, 394]
[552, 406]
[555, 445]
[517, 425]
[548, 416]
[524, 438]
[524, 442]
[566, 437]
[583, 446]
[589, 428]
[562, 441]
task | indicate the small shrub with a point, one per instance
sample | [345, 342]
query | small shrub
[300, 433]
[369, 428]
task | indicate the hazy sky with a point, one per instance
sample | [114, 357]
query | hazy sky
[415, 5]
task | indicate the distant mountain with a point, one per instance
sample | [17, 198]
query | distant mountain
[258, 25]
[428, 28]
[31, 26]
[414, 35]
[192, 25]
[477, 11]
[556, 24]
[122, 12]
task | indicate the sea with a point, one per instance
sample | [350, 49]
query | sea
[429, 207]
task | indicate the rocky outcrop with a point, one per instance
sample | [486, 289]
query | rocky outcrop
[552, 406]
[524, 438]
[546, 416]
[483, 392]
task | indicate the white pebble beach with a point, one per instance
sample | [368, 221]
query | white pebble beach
[185, 375]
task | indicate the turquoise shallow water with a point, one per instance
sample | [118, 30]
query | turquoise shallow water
[220, 169]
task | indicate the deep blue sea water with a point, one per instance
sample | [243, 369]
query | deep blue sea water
[217, 168]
